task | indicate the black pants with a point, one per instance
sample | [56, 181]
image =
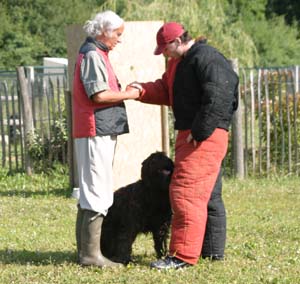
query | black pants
[215, 234]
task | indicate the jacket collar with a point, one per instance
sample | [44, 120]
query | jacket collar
[98, 44]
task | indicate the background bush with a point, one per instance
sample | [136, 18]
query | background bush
[258, 32]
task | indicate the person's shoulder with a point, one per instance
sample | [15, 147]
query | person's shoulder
[200, 51]
[91, 54]
[207, 51]
[203, 46]
[87, 47]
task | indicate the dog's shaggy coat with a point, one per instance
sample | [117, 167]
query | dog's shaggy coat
[140, 207]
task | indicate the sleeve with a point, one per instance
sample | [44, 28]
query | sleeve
[93, 73]
[218, 96]
[156, 92]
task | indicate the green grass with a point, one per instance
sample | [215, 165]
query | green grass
[37, 239]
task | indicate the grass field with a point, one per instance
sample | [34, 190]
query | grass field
[37, 241]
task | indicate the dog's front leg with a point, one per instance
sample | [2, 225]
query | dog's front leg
[160, 238]
[123, 248]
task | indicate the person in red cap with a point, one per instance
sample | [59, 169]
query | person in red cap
[202, 89]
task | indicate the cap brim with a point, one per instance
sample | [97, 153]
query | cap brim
[159, 49]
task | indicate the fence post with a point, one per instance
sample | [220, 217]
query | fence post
[237, 134]
[73, 177]
[27, 116]
[297, 79]
[165, 130]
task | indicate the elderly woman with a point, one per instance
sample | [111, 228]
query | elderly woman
[99, 116]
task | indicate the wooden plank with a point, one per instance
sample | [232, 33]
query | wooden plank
[246, 148]
[282, 131]
[5, 87]
[294, 80]
[28, 121]
[274, 80]
[268, 127]
[259, 102]
[253, 147]
[3, 148]
[71, 157]
[237, 131]
[288, 117]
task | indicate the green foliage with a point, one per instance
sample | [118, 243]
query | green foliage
[32, 29]
[44, 151]
[35, 147]
[247, 9]
[203, 17]
[290, 9]
[280, 50]
[60, 134]
[37, 237]
[276, 43]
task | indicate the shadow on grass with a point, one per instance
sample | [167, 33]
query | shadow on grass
[25, 257]
[30, 193]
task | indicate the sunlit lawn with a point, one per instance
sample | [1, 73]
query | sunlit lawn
[37, 241]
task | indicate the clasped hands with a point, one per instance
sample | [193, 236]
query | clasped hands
[136, 88]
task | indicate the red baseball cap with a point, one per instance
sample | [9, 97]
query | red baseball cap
[167, 33]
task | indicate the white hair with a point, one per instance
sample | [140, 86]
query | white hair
[106, 21]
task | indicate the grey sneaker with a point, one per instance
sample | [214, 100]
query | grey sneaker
[170, 262]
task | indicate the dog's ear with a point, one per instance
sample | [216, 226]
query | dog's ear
[147, 166]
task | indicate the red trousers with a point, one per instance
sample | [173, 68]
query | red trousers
[194, 177]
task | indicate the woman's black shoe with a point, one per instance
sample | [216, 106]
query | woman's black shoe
[170, 262]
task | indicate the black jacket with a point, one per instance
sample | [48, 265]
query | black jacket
[205, 91]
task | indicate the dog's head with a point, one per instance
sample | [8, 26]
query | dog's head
[157, 170]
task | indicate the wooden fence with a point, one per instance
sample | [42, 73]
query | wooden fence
[12, 152]
[271, 117]
[32, 101]
[264, 139]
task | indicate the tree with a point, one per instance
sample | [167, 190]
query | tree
[202, 17]
[33, 29]
[277, 44]
[290, 9]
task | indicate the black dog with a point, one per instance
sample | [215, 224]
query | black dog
[140, 207]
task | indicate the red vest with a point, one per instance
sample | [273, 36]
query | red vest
[83, 107]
